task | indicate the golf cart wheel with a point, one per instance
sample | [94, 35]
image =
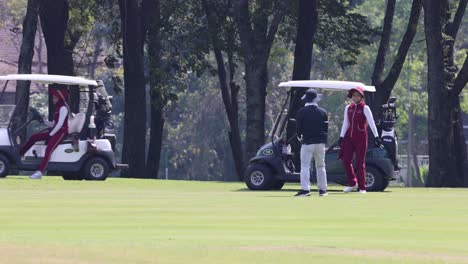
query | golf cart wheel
[259, 177]
[374, 180]
[385, 184]
[277, 185]
[72, 176]
[4, 166]
[96, 169]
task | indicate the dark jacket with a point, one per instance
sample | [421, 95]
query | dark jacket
[312, 124]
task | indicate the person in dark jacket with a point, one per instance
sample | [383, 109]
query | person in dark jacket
[312, 130]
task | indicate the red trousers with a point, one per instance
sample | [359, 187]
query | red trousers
[358, 145]
[51, 145]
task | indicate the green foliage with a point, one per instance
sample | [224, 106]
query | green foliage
[196, 133]
[12, 13]
[342, 34]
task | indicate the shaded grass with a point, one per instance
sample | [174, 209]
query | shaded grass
[157, 221]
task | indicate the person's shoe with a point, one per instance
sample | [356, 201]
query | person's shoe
[36, 176]
[349, 189]
[323, 193]
[362, 191]
[302, 193]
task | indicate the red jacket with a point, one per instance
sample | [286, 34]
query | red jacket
[357, 121]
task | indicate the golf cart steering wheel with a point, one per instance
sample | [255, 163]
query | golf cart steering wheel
[36, 116]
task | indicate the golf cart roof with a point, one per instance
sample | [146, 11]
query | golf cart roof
[48, 79]
[328, 85]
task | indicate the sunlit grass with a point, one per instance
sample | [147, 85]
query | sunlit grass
[157, 221]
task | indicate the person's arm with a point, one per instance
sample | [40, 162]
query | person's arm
[299, 123]
[62, 115]
[325, 122]
[345, 126]
[370, 121]
[49, 123]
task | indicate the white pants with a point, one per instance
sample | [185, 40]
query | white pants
[316, 151]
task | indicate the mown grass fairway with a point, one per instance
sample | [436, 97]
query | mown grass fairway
[157, 221]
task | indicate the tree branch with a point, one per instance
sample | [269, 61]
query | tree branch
[405, 45]
[453, 27]
[277, 17]
[384, 43]
[462, 78]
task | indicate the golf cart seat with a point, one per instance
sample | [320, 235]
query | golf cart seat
[76, 122]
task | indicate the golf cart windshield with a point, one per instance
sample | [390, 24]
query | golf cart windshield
[17, 119]
[6, 112]
[284, 117]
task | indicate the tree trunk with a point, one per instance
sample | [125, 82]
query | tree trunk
[447, 150]
[135, 94]
[256, 78]
[384, 86]
[228, 92]
[306, 27]
[461, 157]
[39, 49]
[25, 64]
[440, 165]
[72, 40]
[54, 21]
[256, 35]
[152, 26]
[93, 64]
[156, 136]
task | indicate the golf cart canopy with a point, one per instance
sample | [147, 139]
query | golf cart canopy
[328, 85]
[49, 79]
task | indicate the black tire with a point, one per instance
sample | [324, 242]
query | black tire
[96, 169]
[259, 177]
[385, 185]
[4, 166]
[374, 180]
[277, 185]
[72, 176]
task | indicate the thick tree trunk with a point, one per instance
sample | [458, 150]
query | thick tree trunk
[448, 166]
[25, 64]
[135, 94]
[256, 78]
[459, 143]
[152, 25]
[256, 36]
[306, 27]
[54, 21]
[441, 161]
[228, 92]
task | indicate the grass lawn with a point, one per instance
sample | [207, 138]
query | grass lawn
[157, 221]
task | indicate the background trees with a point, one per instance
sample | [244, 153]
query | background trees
[200, 76]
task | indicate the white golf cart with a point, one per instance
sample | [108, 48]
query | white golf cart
[87, 153]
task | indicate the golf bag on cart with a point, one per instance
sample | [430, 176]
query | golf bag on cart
[105, 128]
[386, 127]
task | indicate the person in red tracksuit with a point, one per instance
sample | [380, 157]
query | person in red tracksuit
[353, 139]
[58, 131]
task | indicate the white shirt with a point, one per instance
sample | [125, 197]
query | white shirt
[369, 117]
[62, 115]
